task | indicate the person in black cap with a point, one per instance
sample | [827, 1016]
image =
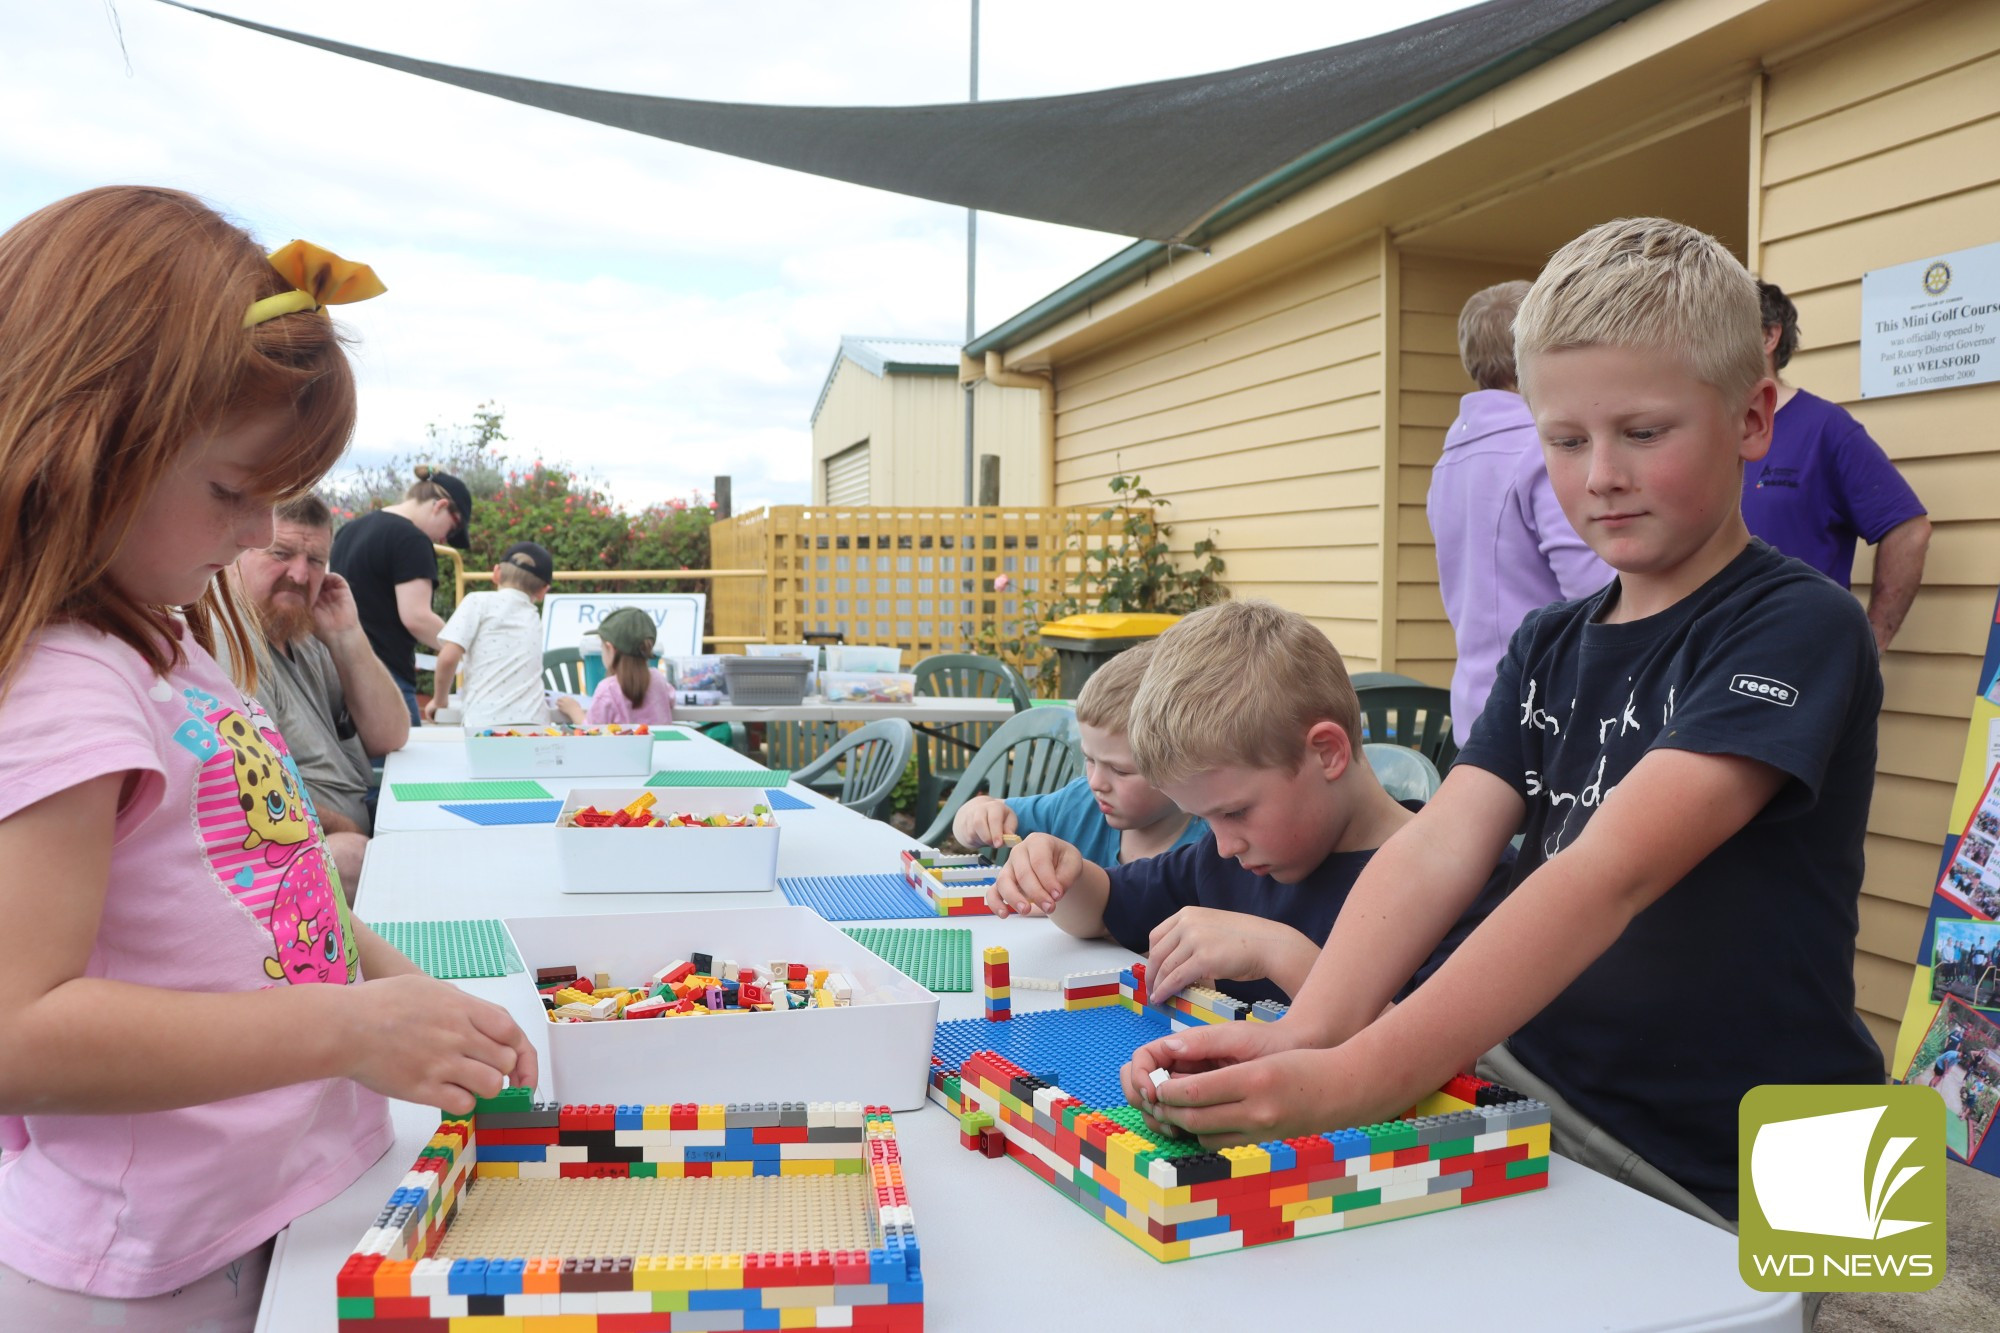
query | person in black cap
[498, 637]
[387, 559]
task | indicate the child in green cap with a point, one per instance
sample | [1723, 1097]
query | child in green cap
[631, 691]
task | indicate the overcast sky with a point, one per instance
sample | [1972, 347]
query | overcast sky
[652, 313]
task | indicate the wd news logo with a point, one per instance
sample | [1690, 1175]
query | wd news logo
[1842, 1188]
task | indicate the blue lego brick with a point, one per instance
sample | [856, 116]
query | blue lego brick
[630, 1117]
[503, 1276]
[1079, 1050]
[1349, 1143]
[1283, 1155]
[699, 1154]
[773, 1167]
[856, 897]
[780, 799]
[1203, 1226]
[496, 813]
[467, 1277]
[513, 1152]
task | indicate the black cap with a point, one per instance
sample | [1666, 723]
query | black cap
[461, 498]
[532, 557]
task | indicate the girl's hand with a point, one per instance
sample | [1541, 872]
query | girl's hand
[427, 1041]
[1202, 944]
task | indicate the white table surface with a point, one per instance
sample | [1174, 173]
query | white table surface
[925, 708]
[999, 1244]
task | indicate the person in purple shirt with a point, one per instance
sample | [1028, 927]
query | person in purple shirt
[1503, 546]
[1825, 482]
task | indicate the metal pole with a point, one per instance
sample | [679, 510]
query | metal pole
[971, 269]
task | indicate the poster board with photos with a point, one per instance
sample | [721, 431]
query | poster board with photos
[1950, 1035]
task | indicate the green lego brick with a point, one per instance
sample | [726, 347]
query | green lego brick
[505, 1100]
[1358, 1199]
[453, 950]
[848, 1166]
[518, 790]
[936, 958]
[643, 1169]
[718, 777]
[1451, 1148]
[356, 1307]
[1531, 1166]
[669, 1302]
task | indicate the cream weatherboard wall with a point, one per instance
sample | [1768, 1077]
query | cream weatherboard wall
[1431, 379]
[1882, 148]
[1259, 415]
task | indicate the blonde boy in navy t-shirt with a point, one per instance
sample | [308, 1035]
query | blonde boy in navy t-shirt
[1111, 814]
[1689, 755]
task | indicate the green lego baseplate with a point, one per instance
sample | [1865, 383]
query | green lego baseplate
[720, 777]
[517, 790]
[938, 959]
[453, 950]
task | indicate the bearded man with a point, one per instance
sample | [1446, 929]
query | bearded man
[333, 701]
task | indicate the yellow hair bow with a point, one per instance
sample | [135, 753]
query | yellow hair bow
[319, 277]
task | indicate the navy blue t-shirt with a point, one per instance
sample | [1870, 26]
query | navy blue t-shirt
[1743, 972]
[1145, 893]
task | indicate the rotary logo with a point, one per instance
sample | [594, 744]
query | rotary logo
[1937, 278]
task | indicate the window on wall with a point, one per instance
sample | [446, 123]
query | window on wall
[847, 476]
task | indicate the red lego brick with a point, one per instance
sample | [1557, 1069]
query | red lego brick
[357, 1275]
[1410, 1156]
[1475, 1161]
[1497, 1186]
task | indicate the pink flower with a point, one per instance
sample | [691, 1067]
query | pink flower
[1001, 583]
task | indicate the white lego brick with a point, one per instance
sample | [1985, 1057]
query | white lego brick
[431, 1278]
[1221, 1243]
[624, 1302]
[1489, 1141]
[834, 1316]
[1319, 1226]
[559, 1152]
[450, 1307]
[579, 1302]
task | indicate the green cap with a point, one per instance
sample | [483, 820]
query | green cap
[629, 630]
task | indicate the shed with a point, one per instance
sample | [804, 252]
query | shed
[889, 428]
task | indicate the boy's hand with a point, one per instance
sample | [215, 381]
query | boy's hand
[984, 822]
[1038, 873]
[1203, 943]
[429, 1042]
[1235, 1083]
[430, 709]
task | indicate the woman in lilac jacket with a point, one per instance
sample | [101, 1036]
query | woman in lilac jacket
[1503, 546]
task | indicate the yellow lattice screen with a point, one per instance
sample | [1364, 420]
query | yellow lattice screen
[920, 577]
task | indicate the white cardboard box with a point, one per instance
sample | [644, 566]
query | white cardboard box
[875, 1051]
[574, 756]
[668, 860]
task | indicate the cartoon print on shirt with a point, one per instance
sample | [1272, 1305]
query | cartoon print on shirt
[262, 838]
[268, 792]
[306, 927]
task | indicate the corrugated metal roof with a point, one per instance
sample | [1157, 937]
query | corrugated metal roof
[891, 356]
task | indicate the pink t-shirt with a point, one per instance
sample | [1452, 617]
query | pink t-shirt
[609, 705]
[218, 883]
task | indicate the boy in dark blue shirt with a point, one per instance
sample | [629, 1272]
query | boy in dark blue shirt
[1256, 728]
[1689, 755]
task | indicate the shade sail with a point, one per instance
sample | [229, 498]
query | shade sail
[1167, 161]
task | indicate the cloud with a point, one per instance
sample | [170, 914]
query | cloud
[651, 313]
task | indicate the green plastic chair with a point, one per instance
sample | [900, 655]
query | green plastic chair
[875, 757]
[1415, 716]
[1032, 753]
[794, 745]
[1404, 773]
[944, 748]
[562, 670]
[1370, 680]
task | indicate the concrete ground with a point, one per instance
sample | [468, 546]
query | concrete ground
[1969, 1296]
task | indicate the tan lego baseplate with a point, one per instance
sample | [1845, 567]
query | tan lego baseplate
[587, 1218]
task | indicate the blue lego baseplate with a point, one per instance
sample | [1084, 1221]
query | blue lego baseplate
[1078, 1050]
[856, 897]
[508, 812]
[784, 800]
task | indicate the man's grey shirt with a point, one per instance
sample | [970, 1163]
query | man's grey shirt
[301, 691]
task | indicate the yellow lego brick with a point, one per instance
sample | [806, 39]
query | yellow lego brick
[1292, 1212]
[732, 1168]
[649, 1272]
[823, 998]
[1535, 1136]
[994, 954]
[499, 1170]
[725, 1271]
[1094, 1002]
[670, 1171]
[1248, 1160]
[657, 1117]
[998, 992]
[711, 1117]
[1438, 1103]
[681, 1272]
[807, 1165]
[486, 1323]
[805, 1317]
[559, 1323]
[1119, 1153]
[818, 977]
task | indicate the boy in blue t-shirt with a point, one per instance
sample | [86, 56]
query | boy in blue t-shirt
[1111, 814]
[1688, 754]
[1245, 716]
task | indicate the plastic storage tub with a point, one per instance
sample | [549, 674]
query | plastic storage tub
[767, 681]
[876, 1050]
[667, 860]
[868, 687]
[582, 752]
